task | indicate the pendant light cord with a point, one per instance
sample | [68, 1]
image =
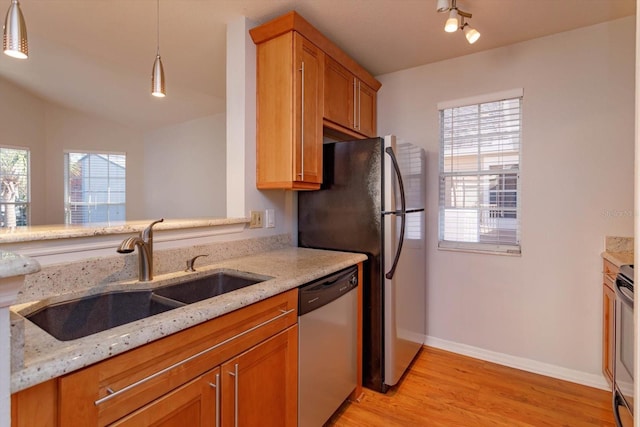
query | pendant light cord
[158, 27]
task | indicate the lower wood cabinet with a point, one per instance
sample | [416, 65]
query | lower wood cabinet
[196, 404]
[239, 369]
[260, 386]
[256, 388]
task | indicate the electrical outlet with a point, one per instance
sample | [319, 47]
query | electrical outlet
[256, 219]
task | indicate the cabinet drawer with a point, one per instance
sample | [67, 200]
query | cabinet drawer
[109, 390]
[609, 272]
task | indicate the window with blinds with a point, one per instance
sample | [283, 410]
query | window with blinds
[411, 160]
[14, 187]
[95, 187]
[480, 142]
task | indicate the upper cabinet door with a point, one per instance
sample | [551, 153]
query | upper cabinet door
[339, 94]
[308, 96]
[366, 110]
[348, 101]
[290, 81]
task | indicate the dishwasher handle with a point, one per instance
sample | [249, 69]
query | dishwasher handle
[323, 291]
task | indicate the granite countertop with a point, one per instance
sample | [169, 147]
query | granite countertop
[618, 250]
[54, 232]
[618, 258]
[12, 264]
[42, 357]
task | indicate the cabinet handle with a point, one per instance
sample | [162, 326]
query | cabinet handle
[283, 313]
[355, 105]
[359, 109]
[234, 374]
[217, 387]
[302, 124]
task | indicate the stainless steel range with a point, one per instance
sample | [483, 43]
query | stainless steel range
[623, 371]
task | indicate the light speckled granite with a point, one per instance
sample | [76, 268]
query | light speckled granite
[45, 357]
[618, 244]
[94, 274]
[53, 232]
[618, 258]
[16, 265]
[618, 250]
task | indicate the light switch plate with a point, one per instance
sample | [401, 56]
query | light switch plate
[269, 218]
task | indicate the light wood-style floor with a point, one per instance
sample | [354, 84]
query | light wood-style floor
[447, 389]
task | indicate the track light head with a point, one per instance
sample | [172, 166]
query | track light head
[443, 6]
[452, 24]
[471, 34]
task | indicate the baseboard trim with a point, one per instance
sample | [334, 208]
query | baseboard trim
[529, 365]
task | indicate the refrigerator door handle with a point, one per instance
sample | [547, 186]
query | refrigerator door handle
[400, 213]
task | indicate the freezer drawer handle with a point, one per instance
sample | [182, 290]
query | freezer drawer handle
[282, 314]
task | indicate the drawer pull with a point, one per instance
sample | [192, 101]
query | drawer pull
[113, 394]
[217, 387]
[234, 374]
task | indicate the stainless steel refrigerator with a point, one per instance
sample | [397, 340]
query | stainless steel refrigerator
[372, 201]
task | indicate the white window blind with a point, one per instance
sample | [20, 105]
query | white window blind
[480, 175]
[95, 187]
[411, 160]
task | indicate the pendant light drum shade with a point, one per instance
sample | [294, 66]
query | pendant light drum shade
[157, 78]
[14, 40]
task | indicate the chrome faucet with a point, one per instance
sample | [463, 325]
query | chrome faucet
[144, 242]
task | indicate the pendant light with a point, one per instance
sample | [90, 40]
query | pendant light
[157, 76]
[14, 39]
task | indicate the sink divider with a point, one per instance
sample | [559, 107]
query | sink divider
[166, 301]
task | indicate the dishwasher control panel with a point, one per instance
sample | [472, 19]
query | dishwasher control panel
[314, 295]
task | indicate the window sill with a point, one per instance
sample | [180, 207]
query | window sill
[511, 251]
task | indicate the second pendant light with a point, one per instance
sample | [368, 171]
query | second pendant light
[157, 75]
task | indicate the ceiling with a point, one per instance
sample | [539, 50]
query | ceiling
[97, 55]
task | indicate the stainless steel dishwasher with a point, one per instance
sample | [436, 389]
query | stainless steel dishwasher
[327, 329]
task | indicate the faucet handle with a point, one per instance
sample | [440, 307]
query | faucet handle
[191, 261]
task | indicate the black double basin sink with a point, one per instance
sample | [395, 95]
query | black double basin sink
[77, 318]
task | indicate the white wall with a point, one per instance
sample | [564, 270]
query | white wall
[577, 187]
[193, 151]
[22, 120]
[242, 195]
[184, 169]
[72, 130]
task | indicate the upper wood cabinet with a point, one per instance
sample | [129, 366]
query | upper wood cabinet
[305, 82]
[289, 113]
[348, 101]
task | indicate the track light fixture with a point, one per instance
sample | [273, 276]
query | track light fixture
[14, 38]
[456, 19]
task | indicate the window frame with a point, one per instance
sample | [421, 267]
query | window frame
[495, 247]
[67, 204]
